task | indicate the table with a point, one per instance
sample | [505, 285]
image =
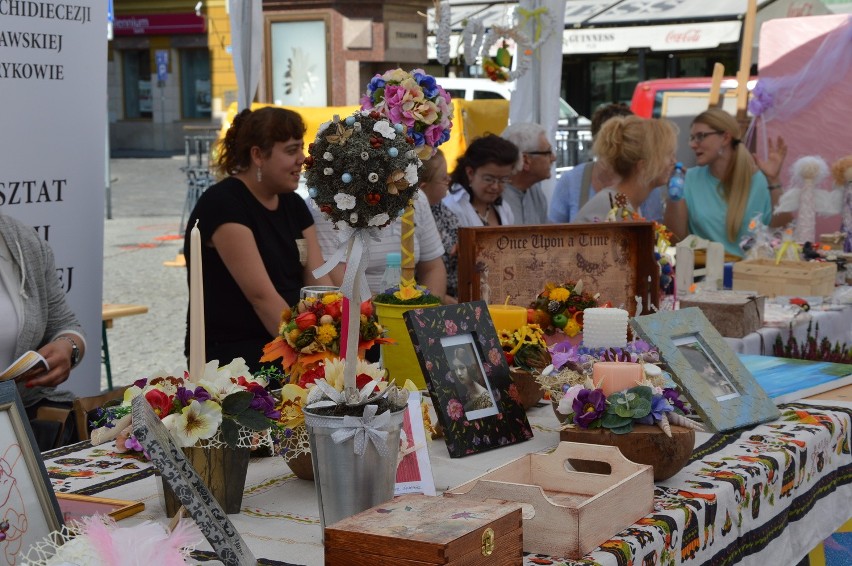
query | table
[109, 313]
[762, 496]
[832, 323]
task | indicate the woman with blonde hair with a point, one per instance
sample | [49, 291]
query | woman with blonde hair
[641, 154]
[725, 190]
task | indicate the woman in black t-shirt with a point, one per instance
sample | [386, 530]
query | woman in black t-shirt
[250, 223]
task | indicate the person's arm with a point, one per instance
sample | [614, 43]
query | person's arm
[432, 275]
[676, 219]
[771, 167]
[236, 246]
[315, 258]
[57, 354]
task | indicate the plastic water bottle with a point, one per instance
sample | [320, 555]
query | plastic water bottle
[676, 183]
[393, 271]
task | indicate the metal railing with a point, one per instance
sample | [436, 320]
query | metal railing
[573, 146]
[199, 174]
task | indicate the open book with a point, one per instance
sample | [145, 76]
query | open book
[28, 364]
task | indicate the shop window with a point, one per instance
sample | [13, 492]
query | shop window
[195, 83]
[136, 80]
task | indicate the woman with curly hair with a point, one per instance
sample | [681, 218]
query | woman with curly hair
[253, 225]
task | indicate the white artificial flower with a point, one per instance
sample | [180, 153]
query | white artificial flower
[196, 421]
[379, 220]
[411, 173]
[328, 156]
[344, 201]
[384, 128]
[341, 224]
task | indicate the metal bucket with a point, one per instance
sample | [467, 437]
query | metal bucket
[348, 483]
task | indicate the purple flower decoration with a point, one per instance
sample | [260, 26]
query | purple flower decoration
[589, 406]
[761, 99]
[141, 383]
[673, 397]
[200, 394]
[659, 406]
[265, 403]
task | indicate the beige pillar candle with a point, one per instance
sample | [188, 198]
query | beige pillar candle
[616, 376]
[197, 355]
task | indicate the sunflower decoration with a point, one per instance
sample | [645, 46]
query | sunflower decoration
[362, 170]
[560, 307]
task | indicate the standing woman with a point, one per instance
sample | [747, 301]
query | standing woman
[252, 226]
[478, 179]
[724, 191]
[641, 155]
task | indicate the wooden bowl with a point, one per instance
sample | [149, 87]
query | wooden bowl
[528, 389]
[647, 444]
[302, 466]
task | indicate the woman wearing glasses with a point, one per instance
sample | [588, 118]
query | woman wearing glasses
[727, 187]
[641, 155]
[478, 180]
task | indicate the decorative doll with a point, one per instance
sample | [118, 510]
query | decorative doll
[808, 173]
[842, 172]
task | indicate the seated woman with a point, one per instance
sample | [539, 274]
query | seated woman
[434, 183]
[477, 182]
[251, 225]
[641, 153]
[36, 317]
[725, 190]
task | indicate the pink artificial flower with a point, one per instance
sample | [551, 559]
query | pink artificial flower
[433, 134]
[367, 102]
[450, 327]
[425, 112]
[394, 96]
[455, 410]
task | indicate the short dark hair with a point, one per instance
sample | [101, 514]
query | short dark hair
[263, 128]
[607, 111]
[487, 149]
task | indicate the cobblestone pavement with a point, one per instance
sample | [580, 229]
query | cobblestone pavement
[147, 200]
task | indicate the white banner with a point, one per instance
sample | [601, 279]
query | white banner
[673, 37]
[53, 59]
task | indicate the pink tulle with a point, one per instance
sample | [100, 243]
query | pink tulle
[141, 545]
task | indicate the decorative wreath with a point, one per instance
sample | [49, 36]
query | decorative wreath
[442, 35]
[498, 68]
[472, 46]
[362, 171]
[543, 25]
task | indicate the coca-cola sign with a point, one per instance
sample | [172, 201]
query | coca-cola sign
[689, 35]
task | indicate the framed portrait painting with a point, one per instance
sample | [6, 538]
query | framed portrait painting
[474, 397]
[28, 508]
[708, 371]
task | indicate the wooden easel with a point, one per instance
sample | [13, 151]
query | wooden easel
[745, 66]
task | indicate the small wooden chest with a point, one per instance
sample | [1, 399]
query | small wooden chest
[418, 530]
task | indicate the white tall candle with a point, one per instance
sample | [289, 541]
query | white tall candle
[604, 328]
[197, 355]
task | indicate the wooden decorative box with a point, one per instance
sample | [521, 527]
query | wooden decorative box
[418, 530]
[797, 278]
[568, 513]
[733, 313]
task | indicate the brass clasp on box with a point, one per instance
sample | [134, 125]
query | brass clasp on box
[487, 541]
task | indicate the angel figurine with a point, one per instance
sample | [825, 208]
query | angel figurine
[842, 172]
[808, 173]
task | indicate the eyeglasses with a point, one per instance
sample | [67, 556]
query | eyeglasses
[699, 136]
[492, 180]
[540, 152]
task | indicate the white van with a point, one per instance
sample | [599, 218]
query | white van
[486, 89]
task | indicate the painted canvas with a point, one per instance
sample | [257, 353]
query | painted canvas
[786, 379]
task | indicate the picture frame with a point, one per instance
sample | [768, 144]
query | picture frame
[414, 472]
[708, 371]
[27, 501]
[188, 486]
[475, 399]
[297, 69]
[75, 507]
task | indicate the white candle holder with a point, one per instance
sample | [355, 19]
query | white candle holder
[605, 328]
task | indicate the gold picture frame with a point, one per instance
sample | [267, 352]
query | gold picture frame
[74, 507]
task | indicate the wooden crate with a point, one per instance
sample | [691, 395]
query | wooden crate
[572, 512]
[615, 259]
[733, 313]
[418, 530]
[798, 278]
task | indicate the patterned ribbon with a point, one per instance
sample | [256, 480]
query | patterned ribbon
[367, 427]
[789, 246]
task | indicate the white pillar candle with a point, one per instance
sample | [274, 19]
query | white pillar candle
[197, 355]
[604, 328]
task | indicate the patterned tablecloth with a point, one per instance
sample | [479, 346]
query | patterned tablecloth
[763, 496]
